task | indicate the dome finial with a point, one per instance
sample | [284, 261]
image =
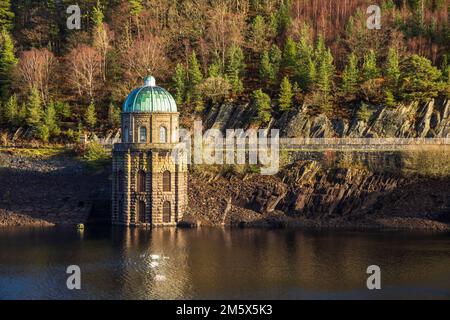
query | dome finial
[150, 81]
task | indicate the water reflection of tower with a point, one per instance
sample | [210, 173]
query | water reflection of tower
[153, 264]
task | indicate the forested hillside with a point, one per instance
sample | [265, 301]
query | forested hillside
[275, 54]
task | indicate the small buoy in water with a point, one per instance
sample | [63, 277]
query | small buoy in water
[80, 226]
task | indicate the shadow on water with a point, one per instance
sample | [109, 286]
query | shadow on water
[208, 263]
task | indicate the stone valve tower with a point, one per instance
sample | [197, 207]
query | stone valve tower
[149, 186]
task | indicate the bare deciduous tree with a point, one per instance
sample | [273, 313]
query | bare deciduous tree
[85, 65]
[145, 55]
[225, 28]
[35, 71]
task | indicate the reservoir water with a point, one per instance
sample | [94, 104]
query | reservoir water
[222, 264]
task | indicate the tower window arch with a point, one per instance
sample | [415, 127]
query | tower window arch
[142, 135]
[126, 134]
[163, 134]
[141, 181]
[167, 181]
[166, 211]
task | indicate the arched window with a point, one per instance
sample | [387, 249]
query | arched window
[141, 181]
[162, 134]
[141, 212]
[166, 181]
[126, 134]
[143, 135]
[166, 211]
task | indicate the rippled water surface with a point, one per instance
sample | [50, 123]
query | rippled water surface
[214, 263]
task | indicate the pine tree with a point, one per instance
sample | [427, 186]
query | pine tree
[11, 112]
[289, 57]
[43, 132]
[350, 76]
[113, 116]
[136, 7]
[97, 15]
[6, 15]
[194, 72]
[283, 17]
[392, 70]
[305, 63]
[275, 56]
[50, 121]
[419, 79]
[370, 70]
[235, 67]
[195, 78]
[7, 62]
[179, 80]
[286, 95]
[261, 102]
[215, 68]
[34, 110]
[90, 117]
[389, 98]
[325, 73]
[265, 69]
[258, 34]
[324, 82]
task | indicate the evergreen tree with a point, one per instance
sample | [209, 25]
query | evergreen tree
[50, 121]
[194, 72]
[11, 112]
[275, 56]
[136, 7]
[261, 102]
[113, 116]
[63, 110]
[389, 98]
[270, 66]
[419, 79]
[43, 132]
[90, 117]
[370, 70]
[195, 78]
[258, 34]
[305, 60]
[283, 17]
[34, 110]
[286, 95]
[350, 76]
[325, 73]
[235, 67]
[324, 80]
[215, 69]
[392, 70]
[97, 15]
[7, 62]
[265, 69]
[179, 79]
[6, 15]
[289, 57]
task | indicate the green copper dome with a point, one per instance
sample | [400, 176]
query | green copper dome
[149, 98]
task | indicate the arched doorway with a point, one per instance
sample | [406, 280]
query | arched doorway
[166, 212]
[141, 212]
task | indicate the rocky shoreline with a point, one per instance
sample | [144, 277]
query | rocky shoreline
[59, 190]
